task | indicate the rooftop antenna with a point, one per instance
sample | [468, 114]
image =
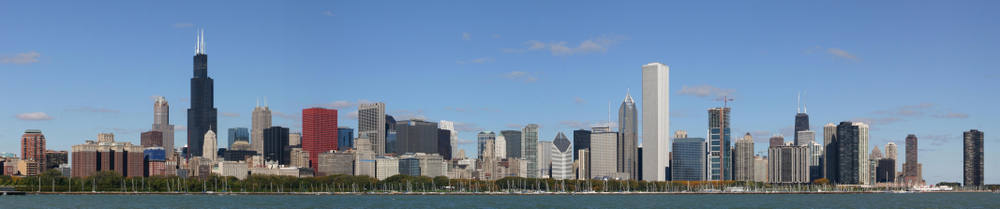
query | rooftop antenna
[609, 114]
[805, 109]
[798, 103]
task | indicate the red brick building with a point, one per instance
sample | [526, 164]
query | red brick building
[91, 157]
[33, 149]
[151, 139]
[319, 132]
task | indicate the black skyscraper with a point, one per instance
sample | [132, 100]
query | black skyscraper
[444, 143]
[276, 145]
[801, 124]
[202, 114]
[581, 140]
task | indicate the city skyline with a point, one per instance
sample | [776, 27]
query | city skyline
[484, 67]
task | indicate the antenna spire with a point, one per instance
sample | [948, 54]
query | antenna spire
[798, 103]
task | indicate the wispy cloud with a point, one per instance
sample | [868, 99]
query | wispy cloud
[563, 48]
[706, 91]
[181, 128]
[342, 104]
[183, 25]
[33, 116]
[577, 124]
[521, 76]
[409, 115]
[578, 100]
[466, 141]
[938, 139]
[21, 58]
[456, 109]
[230, 114]
[466, 36]
[285, 115]
[480, 60]
[328, 13]
[353, 115]
[93, 110]
[466, 127]
[952, 115]
[835, 52]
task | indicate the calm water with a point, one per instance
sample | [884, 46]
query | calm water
[937, 200]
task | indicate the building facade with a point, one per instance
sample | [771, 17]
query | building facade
[744, 159]
[275, 145]
[513, 139]
[319, 132]
[688, 162]
[788, 164]
[529, 140]
[237, 134]
[972, 158]
[628, 142]
[92, 157]
[261, 120]
[581, 141]
[416, 136]
[161, 123]
[202, 114]
[719, 155]
[372, 125]
[603, 153]
[655, 121]
[562, 158]
[852, 145]
[33, 151]
[911, 168]
[210, 146]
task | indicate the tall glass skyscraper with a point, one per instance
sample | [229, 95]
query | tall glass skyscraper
[202, 114]
[628, 142]
[529, 144]
[513, 139]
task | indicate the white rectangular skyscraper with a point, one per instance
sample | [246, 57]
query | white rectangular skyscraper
[655, 121]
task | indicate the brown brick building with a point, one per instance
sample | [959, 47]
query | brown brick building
[33, 150]
[91, 157]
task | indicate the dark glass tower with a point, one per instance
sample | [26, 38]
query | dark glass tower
[801, 124]
[581, 140]
[202, 114]
[972, 156]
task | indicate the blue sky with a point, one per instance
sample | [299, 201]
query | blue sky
[75, 69]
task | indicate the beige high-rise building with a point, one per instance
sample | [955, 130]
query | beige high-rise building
[105, 137]
[294, 139]
[760, 168]
[261, 120]
[371, 125]
[744, 159]
[788, 164]
[891, 151]
[210, 148]
[603, 154]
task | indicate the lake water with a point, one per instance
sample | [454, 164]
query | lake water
[922, 200]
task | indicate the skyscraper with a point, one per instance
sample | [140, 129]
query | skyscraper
[718, 147]
[500, 147]
[202, 114]
[688, 160]
[788, 164]
[261, 120]
[481, 139]
[891, 151]
[830, 152]
[33, 151]
[161, 123]
[319, 132]
[581, 141]
[345, 138]
[151, 139]
[238, 134]
[972, 158]
[801, 124]
[776, 140]
[743, 166]
[655, 121]
[545, 158]
[450, 126]
[529, 142]
[562, 158]
[852, 145]
[628, 127]
[603, 153]
[416, 136]
[444, 143]
[372, 125]
[275, 144]
[513, 138]
[911, 168]
[210, 148]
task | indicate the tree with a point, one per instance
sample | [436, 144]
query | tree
[821, 181]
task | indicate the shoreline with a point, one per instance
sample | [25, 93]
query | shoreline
[481, 193]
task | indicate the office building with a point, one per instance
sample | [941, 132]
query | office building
[911, 167]
[481, 139]
[760, 168]
[33, 151]
[891, 150]
[719, 156]
[972, 158]
[513, 139]
[582, 164]
[333, 163]
[529, 140]
[261, 120]
[298, 158]
[319, 132]
[161, 123]
[603, 153]
[581, 141]
[562, 158]
[743, 162]
[453, 141]
[802, 124]
[345, 138]
[545, 158]
[386, 167]
[372, 125]
[655, 120]
[444, 143]
[210, 146]
[202, 114]
[154, 161]
[238, 134]
[500, 147]
[416, 136]
[776, 140]
[628, 142]
[276, 145]
[688, 162]
[151, 139]
[885, 171]
[830, 152]
[54, 158]
[122, 157]
[295, 139]
[409, 166]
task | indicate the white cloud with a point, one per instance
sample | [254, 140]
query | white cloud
[579, 100]
[409, 115]
[21, 58]
[466, 127]
[706, 91]
[328, 13]
[521, 76]
[842, 54]
[480, 60]
[34, 116]
[562, 48]
[93, 110]
[466, 36]
[230, 114]
[342, 104]
[183, 25]
[952, 115]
